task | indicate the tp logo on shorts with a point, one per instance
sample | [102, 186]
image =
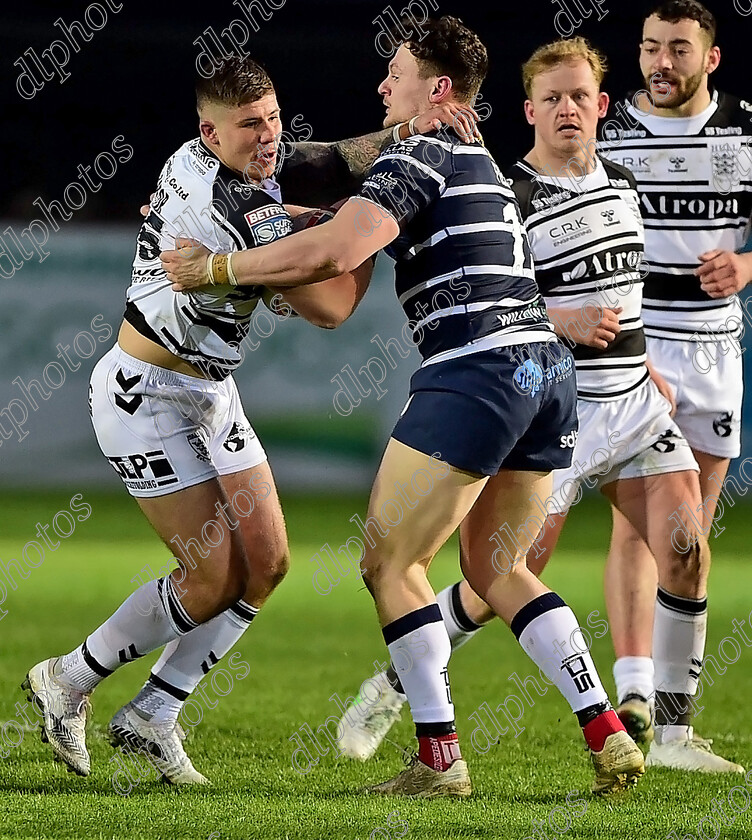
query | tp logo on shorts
[529, 377]
[144, 471]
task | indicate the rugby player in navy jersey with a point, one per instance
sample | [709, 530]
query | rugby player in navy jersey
[582, 215]
[168, 417]
[481, 430]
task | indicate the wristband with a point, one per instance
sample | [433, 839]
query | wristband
[209, 271]
[411, 126]
[396, 133]
[219, 270]
[231, 278]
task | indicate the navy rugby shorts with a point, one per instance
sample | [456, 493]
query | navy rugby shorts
[509, 408]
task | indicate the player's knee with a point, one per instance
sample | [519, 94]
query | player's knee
[279, 567]
[690, 559]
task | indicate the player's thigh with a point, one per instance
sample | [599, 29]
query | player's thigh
[713, 470]
[254, 509]
[504, 523]
[416, 503]
[662, 509]
[157, 429]
[209, 552]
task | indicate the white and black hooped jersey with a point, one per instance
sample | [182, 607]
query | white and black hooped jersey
[587, 242]
[199, 197]
[464, 272]
[694, 176]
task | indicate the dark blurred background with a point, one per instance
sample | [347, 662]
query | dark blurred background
[135, 78]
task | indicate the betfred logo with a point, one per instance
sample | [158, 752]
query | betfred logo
[568, 441]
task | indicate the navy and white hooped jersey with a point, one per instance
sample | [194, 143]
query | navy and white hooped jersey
[199, 197]
[694, 176]
[587, 242]
[464, 272]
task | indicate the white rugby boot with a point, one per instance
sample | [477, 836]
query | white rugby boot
[690, 753]
[64, 711]
[161, 744]
[365, 724]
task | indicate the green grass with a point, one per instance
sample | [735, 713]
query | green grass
[302, 649]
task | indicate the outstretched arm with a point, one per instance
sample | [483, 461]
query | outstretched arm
[358, 231]
[322, 173]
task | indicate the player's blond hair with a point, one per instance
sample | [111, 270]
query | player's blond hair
[563, 51]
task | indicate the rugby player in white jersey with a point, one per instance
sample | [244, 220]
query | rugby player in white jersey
[480, 433]
[582, 215]
[168, 417]
[687, 146]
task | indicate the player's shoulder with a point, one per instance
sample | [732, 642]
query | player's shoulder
[618, 175]
[523, 181]
[732, 111]
[434, 149]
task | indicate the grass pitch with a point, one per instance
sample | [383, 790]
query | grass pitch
[304, 648]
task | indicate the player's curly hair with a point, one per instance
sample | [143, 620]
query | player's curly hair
[237, 81]
[672, 11]
[448, 48]
[562, 51]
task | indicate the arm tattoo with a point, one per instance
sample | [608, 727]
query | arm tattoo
[322, 173]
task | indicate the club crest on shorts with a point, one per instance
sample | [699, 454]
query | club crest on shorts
[198, 445]
[665, 442]
[528, 377]
[722, 424]
[238, 437]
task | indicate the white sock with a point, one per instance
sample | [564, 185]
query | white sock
[146, 620]
[460, 627]
[187, 660]
[633, 675]
[679, 631]
[423, 675]
[548, 632]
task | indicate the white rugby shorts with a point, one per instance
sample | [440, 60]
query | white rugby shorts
[164, 431]
[708, 388]
[629, 437]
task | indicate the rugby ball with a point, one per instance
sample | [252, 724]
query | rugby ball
[311, 218]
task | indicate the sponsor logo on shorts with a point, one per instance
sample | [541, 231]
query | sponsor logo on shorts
[144, 471]
[239, 435]
[666, 442]
[198, 445]
[560, 371]
[529, 377]
[722, 424]
[568, 441]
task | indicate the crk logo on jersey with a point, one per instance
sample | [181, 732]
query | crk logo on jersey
[144, 471]
[722, 424]
[198, 445]
[529, 377]
[578, 226]
[677, 164]
[640, 164]
[665, 442]
[608, 216]
[578, 671]
[238, 437]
